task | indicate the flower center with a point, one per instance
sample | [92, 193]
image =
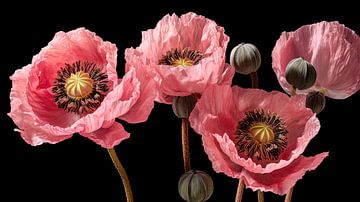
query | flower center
[262, 132]
[80, 87]
[261, 136]
[185, 57]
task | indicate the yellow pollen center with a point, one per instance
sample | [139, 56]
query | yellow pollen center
[182, 62]
[79, 85]
[262, 132]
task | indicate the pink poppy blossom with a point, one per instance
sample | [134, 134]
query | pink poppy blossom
[257, 136]
[331, 48]
[184, 55]
[71, 86]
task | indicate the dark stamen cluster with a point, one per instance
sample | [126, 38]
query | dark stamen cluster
[81, 105]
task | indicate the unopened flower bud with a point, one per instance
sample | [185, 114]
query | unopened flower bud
[315, 101]
[195, 186]
[245, 58]
[300, 74]
[182, 106]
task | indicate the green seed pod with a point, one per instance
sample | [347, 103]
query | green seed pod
[182, 106]
[195, 186]
[315, 101]
[245, 58]
[300, 73]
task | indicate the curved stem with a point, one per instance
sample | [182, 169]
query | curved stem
[185, 144]
[260, 196]
[123, 175]
[293, 91]
[254, 80]
[289, 195]
[240, 191]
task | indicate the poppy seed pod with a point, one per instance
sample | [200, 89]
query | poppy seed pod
[315, 101]
[245, 58]
[195, 186]
[300, 74]
[183, 105]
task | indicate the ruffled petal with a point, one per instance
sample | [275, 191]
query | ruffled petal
[227, 76]
[220, 161]
[221, 107]
[280, 181]
[332, 48]
[182, 81]
[108, 137]
[142, 107]
[117, 102]
[69, 47]
[31, 128]
[42, 102]
[215, 102]
[136, 59]
[301, 123]
[188, 31]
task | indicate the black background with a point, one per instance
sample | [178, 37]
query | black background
[79, 170]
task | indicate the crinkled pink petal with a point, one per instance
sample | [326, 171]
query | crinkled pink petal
[221, 107]
[108, 137]
[188, 31]
[182, 81]
[332, 48]
[32, 130]
[32, 104]
[280, 181]
[145, 103]
[139, 61]
[215, 102]
[72, 46]
[227, 76]
[79, 44]
[42, 102]
[220, 161]
[117, 102]
[286, 107]
[302, 124]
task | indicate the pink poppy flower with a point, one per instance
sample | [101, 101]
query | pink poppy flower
[257, 136]
[184, 55]
[71, 86]
[334, 51]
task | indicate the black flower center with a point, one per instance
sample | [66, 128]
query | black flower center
[185, 57]
[261, 136]
[80, 87]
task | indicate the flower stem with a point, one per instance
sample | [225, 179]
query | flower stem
[293, 91]
[254, 80]
[289, 195]
[185, 144]
[240, 191]
[123, 175]
[260, 195]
